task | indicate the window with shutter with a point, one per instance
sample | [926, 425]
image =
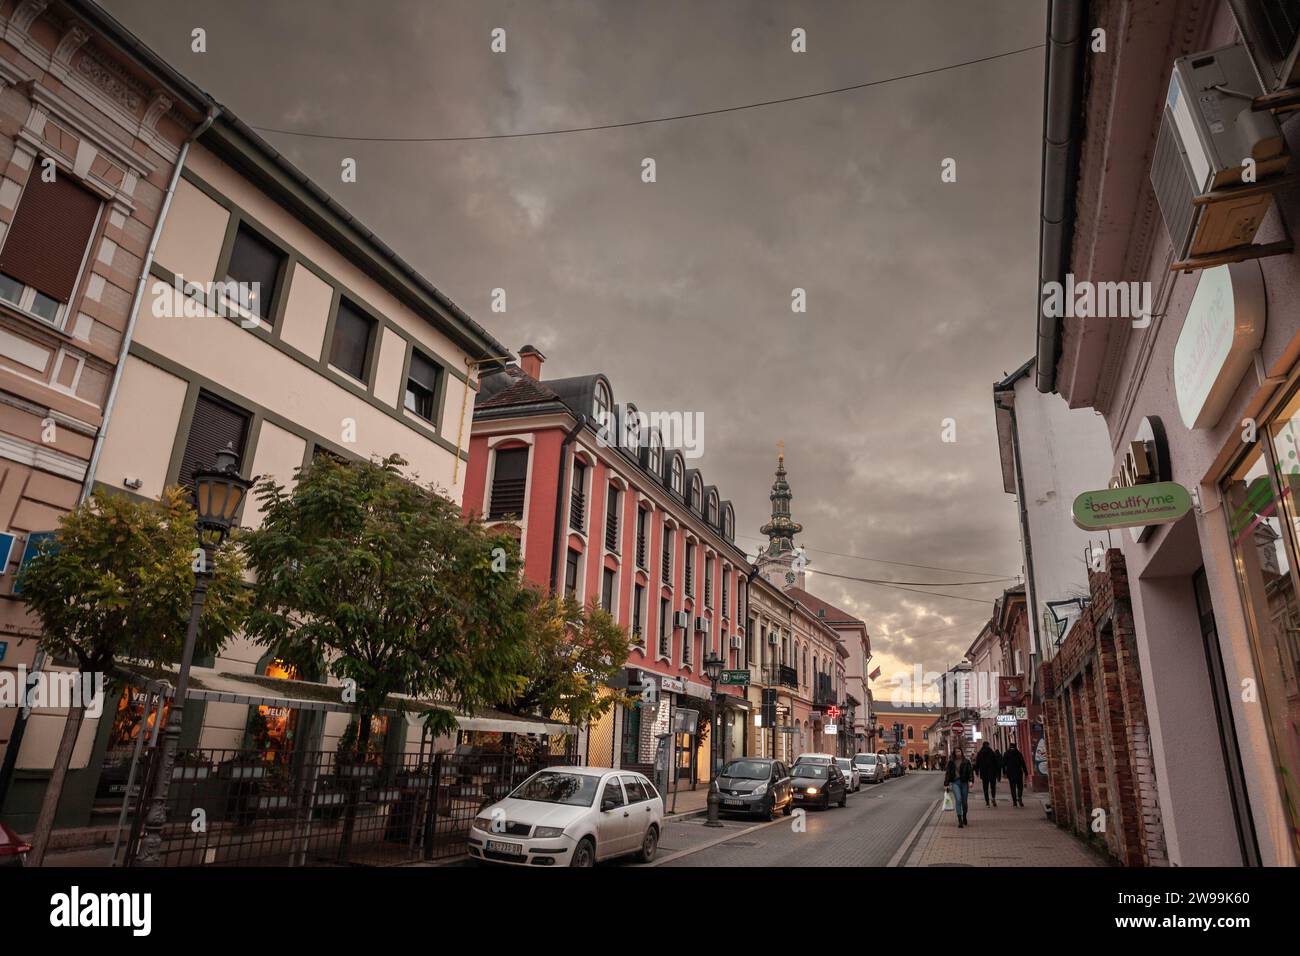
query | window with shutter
[607, 591]
[46, 245]
[255, 264]
[350, 347]
[421, 386]
[611, 520]
[509, 479]
[215, 425]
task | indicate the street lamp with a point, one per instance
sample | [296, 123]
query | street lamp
[713, 665]
[218, 494]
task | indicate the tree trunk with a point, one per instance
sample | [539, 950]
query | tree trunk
[353, 786]
[54, 790]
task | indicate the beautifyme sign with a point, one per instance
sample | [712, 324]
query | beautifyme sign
[1223, 328]
[1160, 502]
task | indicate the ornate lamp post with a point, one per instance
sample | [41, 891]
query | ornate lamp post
[218, 494]
[713, 665]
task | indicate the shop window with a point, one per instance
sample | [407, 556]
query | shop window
[631, 736]
[271, 729]
[1262, 518]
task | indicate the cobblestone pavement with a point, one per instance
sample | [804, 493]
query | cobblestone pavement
[1004, 835]
[878, 820]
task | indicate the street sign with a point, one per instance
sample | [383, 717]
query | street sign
[958, 727]
[735, 677]
[830, 729]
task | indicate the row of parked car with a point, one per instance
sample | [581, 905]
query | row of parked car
[578, 816]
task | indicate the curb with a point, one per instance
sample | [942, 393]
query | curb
[920, 837]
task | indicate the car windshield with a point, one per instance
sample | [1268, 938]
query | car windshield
[746, 770]
[868, 761]
[549, 786]
[843, 763]
[812, 770]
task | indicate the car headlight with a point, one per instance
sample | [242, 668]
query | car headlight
[483, 823]
[547, 833]
[760, 790]
[811, 790]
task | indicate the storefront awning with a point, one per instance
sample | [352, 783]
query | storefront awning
[255, 690]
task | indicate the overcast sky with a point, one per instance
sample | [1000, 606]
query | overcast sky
[919, 292]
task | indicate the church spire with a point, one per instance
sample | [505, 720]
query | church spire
[781, 529]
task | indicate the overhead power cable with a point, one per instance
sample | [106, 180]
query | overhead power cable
[899, 587]
[644, 122]
[863, 557]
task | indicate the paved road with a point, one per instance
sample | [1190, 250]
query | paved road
[867, 832]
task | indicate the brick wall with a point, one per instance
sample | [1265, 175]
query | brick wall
[1099, 755]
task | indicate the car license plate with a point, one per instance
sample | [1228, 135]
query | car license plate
[798, 796]
[510, 849]
[734, 803]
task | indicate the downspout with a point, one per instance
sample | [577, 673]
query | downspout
[1030, 594]
[559, 496]
[1062, 94]
[88, 484]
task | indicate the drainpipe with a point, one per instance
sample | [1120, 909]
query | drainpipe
[1030, 594]
[213, 112]
[1062, 93]
[559, 496]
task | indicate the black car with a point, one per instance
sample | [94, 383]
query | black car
[754, 785]
[818, 784]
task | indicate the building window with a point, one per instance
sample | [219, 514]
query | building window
[601, 404]
[667, 574]
[713, 510]
[638, 615]
[571, 574]
[726, 583]
[46, 246]
[678, 474]
[611, 519]
[509, 480]
[697, 495]
[421, 386]
[256, 266]
[655, 460]
[729, 523]
[708, 582]
[354, 333]
[665, 628]
[607, 590]
[642, 522]
[632, 429]
[216, 424]
[690, 569]
[577, 496]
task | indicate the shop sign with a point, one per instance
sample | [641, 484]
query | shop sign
[1142, 506]
[673, 685]
[1022, 713]
[1006, 720]
[1223, 329]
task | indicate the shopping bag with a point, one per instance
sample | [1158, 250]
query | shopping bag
[947, 800]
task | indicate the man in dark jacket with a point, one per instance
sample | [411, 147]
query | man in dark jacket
[989, 769]
[959, 776]
[1013, 765]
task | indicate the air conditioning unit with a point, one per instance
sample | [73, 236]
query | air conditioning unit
[771, 638]
[1271, 31]
[701, 625]
[737, 642]
[1207, 133]
[681, 619]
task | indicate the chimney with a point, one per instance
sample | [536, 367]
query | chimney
[530, 360]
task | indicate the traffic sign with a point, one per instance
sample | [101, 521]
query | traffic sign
[735, 677]
[958, 727]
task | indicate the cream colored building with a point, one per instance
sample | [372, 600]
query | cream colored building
[298, 331]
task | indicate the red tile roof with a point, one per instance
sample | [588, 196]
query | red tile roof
[522, 390]
[832, 614]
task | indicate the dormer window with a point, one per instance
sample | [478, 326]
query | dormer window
[632, 430]
[697, 492]
[729, 523]
[656, 460]
[713, 510]
[602, 404]
[679, 474]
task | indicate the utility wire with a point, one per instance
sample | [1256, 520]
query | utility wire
[901, 564]
[645, 122]
[899, 587]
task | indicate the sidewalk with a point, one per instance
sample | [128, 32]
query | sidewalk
[688, 801]
[1004, 835]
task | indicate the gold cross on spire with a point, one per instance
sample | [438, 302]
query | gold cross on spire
[780, 448]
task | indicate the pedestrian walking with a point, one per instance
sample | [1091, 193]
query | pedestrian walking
[986, 765]
[958, 777]
[1013, 764]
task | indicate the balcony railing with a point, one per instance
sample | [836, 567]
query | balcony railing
[787, 676]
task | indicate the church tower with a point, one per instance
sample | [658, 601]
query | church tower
[780, 563]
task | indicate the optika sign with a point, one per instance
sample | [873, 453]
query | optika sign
[1098, 300]
[228, 299]
[76, 909]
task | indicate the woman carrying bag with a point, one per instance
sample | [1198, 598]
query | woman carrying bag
[957, 779]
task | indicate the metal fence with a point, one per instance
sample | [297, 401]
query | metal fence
[317, 808]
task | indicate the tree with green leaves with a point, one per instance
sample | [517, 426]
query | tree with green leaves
[574, 653]
[380, 580]
[115, 585]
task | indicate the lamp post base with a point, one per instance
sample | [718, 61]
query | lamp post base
[714, 804]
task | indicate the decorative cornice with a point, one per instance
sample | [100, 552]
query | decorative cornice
[110, 80]
[70, 43]
[21, 20]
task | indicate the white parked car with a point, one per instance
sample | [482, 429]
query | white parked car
[871, 768]
[850, 773]
[823, 759]
[570, 816]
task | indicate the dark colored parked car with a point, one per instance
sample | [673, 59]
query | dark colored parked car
[757, 785]
[13, 850]
[818, 785]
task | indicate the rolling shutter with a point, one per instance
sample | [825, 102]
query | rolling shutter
[47, 239]
[216, 424]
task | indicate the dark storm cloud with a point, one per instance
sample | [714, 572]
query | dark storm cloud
[680, 290]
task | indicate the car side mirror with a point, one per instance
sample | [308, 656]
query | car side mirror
[607, 804]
